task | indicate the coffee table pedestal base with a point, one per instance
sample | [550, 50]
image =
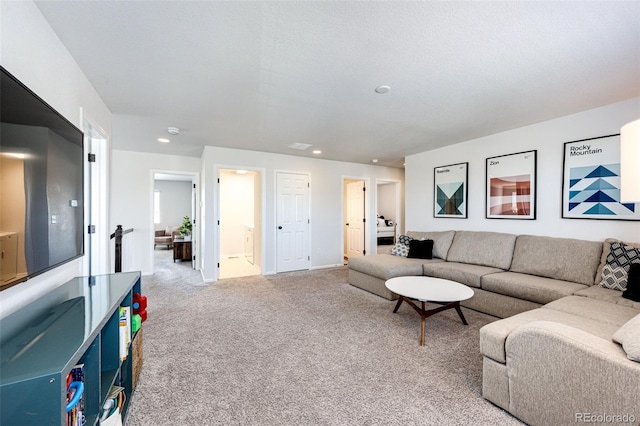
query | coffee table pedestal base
[426, 313]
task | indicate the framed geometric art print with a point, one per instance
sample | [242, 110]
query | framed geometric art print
[591, 181]
[450, 190]
[511, 186]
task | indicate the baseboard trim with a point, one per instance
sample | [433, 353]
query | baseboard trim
[336, 265]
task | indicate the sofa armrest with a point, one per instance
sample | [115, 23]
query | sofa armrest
[559, 374]
[159, 233]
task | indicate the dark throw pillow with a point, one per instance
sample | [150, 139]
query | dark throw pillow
[633, 283]
[421, 249]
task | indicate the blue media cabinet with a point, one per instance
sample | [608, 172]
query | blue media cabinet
[77, 323]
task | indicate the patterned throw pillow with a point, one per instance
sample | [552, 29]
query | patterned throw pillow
[614, 278]
[400, 250]
[615, 271]
[403, 239]
[623, 255]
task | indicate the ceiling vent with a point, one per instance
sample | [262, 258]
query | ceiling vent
[300, 146]
[173, 130]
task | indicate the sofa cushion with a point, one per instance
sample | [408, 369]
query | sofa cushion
[611, 296]
[606, 249]
[560, 258]
[441, 241]
[460, 272]
[529, 287]
[493, 336]
[629, 337]
[597, 310]
[493, 249]
[385, 266]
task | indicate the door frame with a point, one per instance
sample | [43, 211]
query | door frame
[367, 212]
[275, 216]
[195, 178]
[96, 204]
[399, 221]
[216, 220]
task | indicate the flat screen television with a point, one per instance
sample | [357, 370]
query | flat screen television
[41, 185]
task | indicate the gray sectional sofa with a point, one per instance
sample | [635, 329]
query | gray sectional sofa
[555, 356]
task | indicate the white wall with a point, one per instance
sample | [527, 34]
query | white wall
[175, 202]
[548, 139]
[32, 52]
[325, 198]
[132, 184]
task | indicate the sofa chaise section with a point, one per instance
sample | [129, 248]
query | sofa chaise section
[546, 365]
[371, 272]
[560, 373]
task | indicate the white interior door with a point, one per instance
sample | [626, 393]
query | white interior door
[292, 222]
[355, 218]
[98, 245]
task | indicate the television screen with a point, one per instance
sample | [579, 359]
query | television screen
[41, 185]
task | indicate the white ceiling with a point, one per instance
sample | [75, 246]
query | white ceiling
[264, 75]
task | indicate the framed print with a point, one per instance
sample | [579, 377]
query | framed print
[511, 186]
[450, 190]
[591, 181]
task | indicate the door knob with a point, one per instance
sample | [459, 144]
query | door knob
[279, 227]
[347, 224]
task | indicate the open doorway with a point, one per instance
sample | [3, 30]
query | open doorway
[240, 229]
[354, 205]
[388, 214]
[175, 211]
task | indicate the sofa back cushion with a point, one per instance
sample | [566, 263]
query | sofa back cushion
[564, 259]
[493, 249]
[441, 241]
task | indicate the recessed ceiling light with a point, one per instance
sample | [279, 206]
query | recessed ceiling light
[241, 172]
[163, 140]
[382, 89]
[317, 151]
[375, 160]
[173, 130]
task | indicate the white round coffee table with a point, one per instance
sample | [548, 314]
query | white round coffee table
[429, 289]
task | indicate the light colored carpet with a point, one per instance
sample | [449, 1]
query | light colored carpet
[302, 348]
